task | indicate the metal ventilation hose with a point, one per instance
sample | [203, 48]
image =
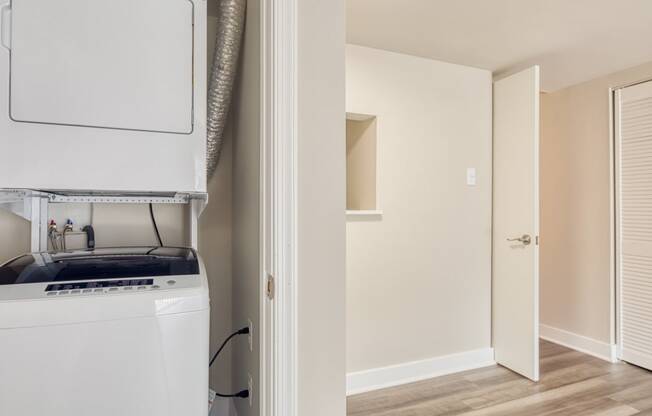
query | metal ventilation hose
[230, 26]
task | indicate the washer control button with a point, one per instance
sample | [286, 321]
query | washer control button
[171, 282]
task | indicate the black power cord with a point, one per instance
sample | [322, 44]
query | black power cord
[158, 235]
[243, 394]
[242, 331]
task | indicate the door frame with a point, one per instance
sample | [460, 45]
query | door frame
[278, 312]
[614, 155]
[614, 297]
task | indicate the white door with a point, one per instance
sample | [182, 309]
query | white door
[634, 204]
[516, 223]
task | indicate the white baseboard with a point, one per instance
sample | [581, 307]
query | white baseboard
[378, 378]
[590, 346]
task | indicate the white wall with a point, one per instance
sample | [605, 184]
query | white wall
[321, 203]
[576, 233]
[419, 278]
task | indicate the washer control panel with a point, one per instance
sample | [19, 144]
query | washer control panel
[100, 286]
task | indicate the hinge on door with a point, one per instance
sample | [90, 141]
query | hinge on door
[536, 240]
[270, 287]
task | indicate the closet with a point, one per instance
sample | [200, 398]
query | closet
[633, 128]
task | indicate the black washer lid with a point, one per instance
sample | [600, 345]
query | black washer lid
[99, 263]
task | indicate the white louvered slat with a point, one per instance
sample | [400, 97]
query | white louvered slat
[635, 222]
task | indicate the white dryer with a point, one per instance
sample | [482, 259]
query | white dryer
[103, 95]
[104, 332]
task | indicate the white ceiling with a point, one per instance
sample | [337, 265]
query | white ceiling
[572, 40]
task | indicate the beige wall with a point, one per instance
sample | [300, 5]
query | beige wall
[321, 201]
[576, 269]
[246, 210]
[361, 164]
[215, 247]
[14, 236]
[419, 278]
[115, 225]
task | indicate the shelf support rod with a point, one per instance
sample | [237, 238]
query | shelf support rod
[38, 208]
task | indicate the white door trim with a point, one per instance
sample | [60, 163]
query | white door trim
[615, 223]
[278, 390]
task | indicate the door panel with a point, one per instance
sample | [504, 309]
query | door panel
[634, 183]
[516, 216]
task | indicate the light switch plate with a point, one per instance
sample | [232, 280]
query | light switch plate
[471, 177]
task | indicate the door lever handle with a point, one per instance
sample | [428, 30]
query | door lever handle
[525, 239]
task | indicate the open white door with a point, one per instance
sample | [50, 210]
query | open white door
[516, 223]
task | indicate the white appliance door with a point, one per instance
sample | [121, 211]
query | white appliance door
[516, 223]
[141, 366]
[98, 63]
[634, 183]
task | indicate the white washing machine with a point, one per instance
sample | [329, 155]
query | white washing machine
[104, 332]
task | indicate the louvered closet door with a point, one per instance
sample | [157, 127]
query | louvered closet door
[634, 160]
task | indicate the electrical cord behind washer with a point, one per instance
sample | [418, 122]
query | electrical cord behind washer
[243, 394]
[158, 235]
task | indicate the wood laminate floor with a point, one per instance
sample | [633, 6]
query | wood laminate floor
[571, 383]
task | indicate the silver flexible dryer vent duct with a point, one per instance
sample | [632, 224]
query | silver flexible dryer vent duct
[230, 27]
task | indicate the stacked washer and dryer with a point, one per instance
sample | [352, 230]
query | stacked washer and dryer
[103, 99]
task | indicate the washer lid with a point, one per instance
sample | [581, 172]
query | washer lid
[121, 64]
[102, 263]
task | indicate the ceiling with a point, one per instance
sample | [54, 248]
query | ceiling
[572, 40]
